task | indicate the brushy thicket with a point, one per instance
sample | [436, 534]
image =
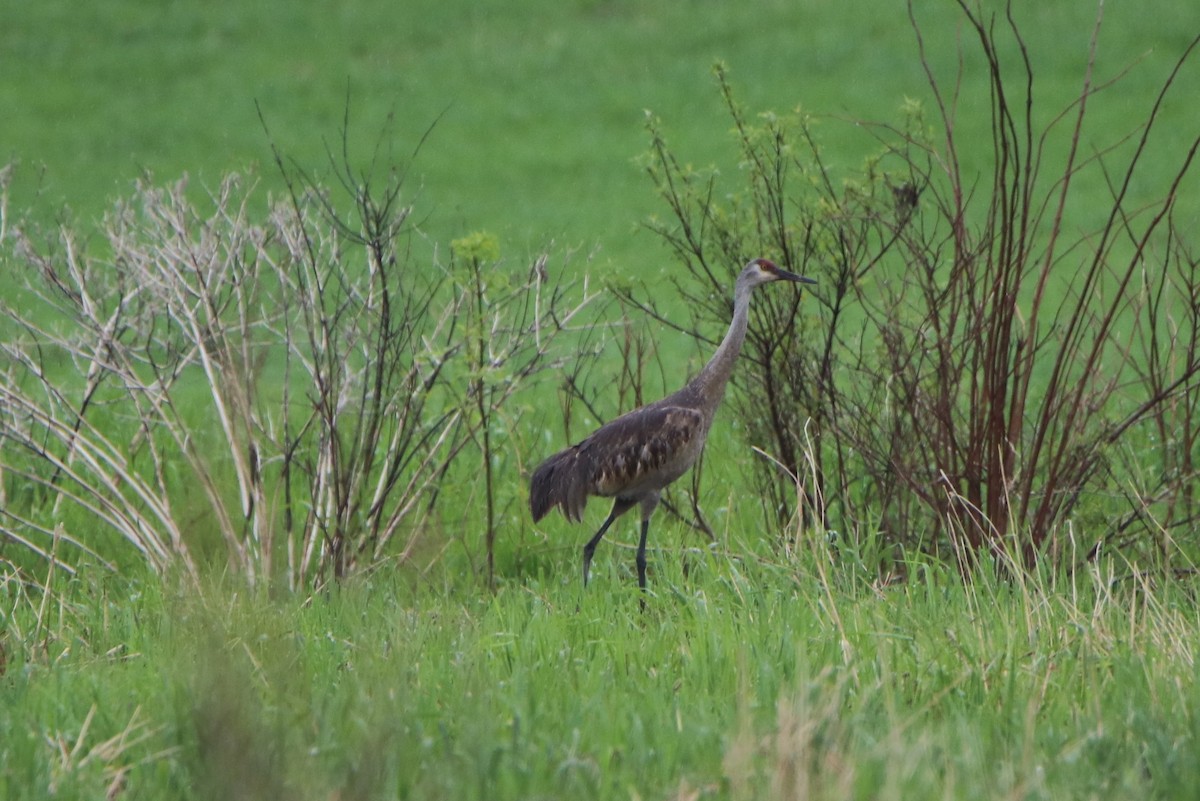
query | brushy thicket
[288, 394]
[975, 376]
[300, 386]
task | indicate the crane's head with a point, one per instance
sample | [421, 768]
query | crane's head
[763, 271]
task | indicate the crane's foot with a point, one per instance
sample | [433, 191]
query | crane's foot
[588, 551]
[641, 566]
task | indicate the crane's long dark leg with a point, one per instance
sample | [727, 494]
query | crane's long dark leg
[641, 553]
[620, 507]
[648, 505]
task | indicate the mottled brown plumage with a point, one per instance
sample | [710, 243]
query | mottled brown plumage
[632, 458]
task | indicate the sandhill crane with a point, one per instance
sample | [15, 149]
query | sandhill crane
[632, 458]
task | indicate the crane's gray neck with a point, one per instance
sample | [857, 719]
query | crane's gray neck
[710, 383]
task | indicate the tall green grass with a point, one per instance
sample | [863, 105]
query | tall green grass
[749, 676]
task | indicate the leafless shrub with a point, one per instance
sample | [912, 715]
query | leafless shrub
[298, 386]
[974, 370]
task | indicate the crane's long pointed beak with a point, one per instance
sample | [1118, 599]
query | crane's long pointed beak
[799, 279]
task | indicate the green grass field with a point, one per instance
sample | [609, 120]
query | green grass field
[765, 665]
[538, 109]
[744, 679]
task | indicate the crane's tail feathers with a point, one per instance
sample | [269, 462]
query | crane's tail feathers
[559, 481]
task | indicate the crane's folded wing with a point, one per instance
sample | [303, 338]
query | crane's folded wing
[643, 450]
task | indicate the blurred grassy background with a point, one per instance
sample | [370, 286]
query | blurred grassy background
[539, 105]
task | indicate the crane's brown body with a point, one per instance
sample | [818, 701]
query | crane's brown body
[632, 458]
[629, 457]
